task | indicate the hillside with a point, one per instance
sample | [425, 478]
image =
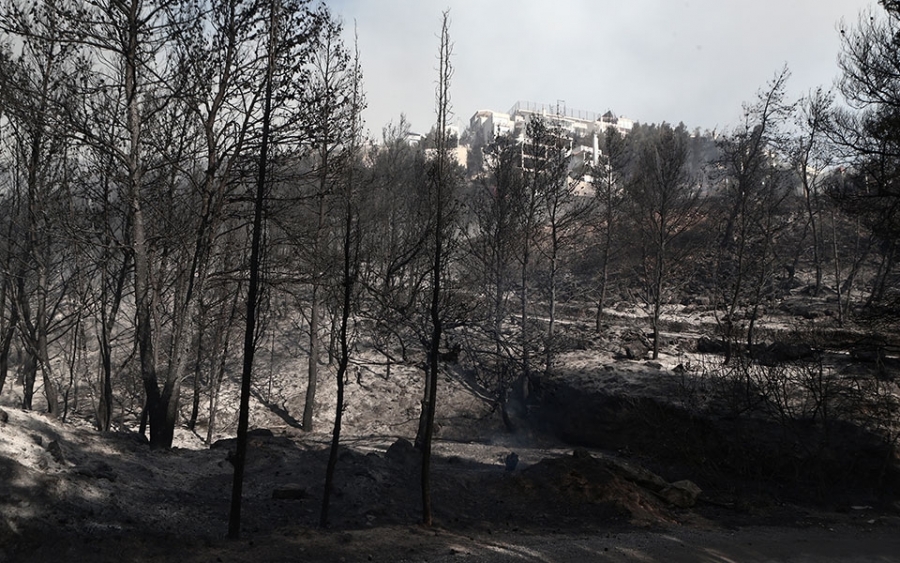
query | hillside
[595, 469]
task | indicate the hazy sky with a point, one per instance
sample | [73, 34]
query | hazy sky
[694, 61]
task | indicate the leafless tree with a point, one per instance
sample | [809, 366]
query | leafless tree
[755, 188]
[493, 240]
[350, 200]
[609, 180]
[440, 191]
[810, 158]
[234, 517]
[40, 83]
[330, 127]
[666, 203]
[866, 132]
[566, 212]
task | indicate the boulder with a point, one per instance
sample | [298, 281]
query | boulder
[636, 474]
[401, 451]
[55, 451]
[682, 494]
[779, 353]
[512, 460]
[707, 345]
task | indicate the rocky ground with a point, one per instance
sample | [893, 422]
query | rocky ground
[580, 487]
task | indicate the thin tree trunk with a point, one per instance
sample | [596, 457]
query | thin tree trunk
[348, 283]
[443, 103]
[884, 270]
[312, 375]
[29, 375]
[104, 406]
[657, 297]
[240, 457]
[315, 305]
[108, 316]
[223, 341]
[50, 391]
[607, 250]
[554, 266]
[143, 291]
[837, 270]
[198, 368]
[601, 301]
[860, 255]
[757, 298]
[8, 333]
[729, 335]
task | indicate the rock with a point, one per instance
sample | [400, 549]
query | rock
[682, 494]
[635, 346]
[633, 351]
[581, 453]
[37, 439]
[779, 353]
[289, 492]
[707, 345]
[636, 474]
[55, 451]
[401, 451]
[4, 416]
[511, 461]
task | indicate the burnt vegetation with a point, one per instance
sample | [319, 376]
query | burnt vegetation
[715, 306]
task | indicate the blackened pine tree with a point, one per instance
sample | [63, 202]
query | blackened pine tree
[349, 230]
[665, 202]
[441, 188]
[492, 243]
[754, 190]
[609, 181]
[868, 134]
[240, 457]
[39, 85]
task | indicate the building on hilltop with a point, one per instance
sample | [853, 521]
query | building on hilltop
[490, 124]
[581, 126]
[582, 130]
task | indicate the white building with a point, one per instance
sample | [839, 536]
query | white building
[490, 124]
[582, 126]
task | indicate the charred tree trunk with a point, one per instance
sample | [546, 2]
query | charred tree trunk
[348, 282]
[9, 329]
[441, 188]
[240, 457]
[312, 375]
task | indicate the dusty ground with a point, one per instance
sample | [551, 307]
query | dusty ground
[67, 493]
[109, 499]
